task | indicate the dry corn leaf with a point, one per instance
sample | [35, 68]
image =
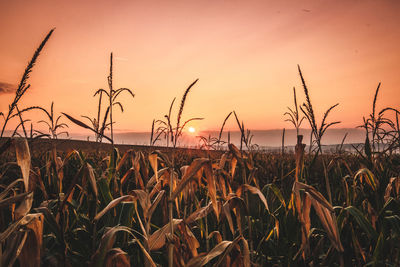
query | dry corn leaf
[393, 186]
[304, 216]
[112, 204]
[236, 152]
[136, 166]
[306, 213]
[297, 186]
[202, 260]
[11, 200]
[154, 205]
[154, 165]
[254, 190]
[13, 227]
[212, 191]
[198, 214]
[23, 159]
[24, 207]
[59, 167]
[123, 159]
[144, 200]
[227, 212]
[143, 166]
[222, 187]
[233, 167]
[156, 178]
[223, 159]
[189, 238]
[246, 253]
[92, 179]
[4, 193]
[183, 169]
[190, 173]
[324, 211]
[277, 227]
[124, 178]
[158, 238]
[31, 251]
[226, 252]
[369, 178]
[329, 224]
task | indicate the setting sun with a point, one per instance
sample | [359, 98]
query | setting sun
[194, 111]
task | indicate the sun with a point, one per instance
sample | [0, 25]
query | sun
[191, 129]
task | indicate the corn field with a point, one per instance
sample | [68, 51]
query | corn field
[239, 207]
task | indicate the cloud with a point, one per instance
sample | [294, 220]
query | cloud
[7, 88]
[120, 59]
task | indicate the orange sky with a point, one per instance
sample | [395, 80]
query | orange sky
[245, 54]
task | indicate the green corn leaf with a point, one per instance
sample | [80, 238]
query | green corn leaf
[362, 222]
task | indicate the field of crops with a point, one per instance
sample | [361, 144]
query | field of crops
[238, 209]
[177, 207]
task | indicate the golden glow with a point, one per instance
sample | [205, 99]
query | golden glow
[245, 54]
[191, 129]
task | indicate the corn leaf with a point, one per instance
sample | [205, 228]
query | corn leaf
[23, 159]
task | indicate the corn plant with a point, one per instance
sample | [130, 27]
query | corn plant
[53, 123]
[179, 207]
[208, 142]
[293, 114]
[155, 134]
[22, 237]
[112, 95]
[220, 141]
[23, 87]
[246, 136]
[100, 126]
[317, 132]
[382, 133]
[173, 133]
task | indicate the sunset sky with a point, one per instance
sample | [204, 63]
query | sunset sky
[245, 54]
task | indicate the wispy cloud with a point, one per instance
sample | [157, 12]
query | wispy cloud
[120, 59]
[7, 88]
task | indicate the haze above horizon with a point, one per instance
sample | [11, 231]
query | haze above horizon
[245, 54]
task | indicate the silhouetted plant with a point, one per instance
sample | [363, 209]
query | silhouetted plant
[220, 142]
[99, 125]
[382, 134]
[173, 133]
[112, 95]
[156, 133]
[307, 109]
[246, 136]
[293, 114]
[21, 124]
[23, 87]
[53, 123]
[208, 143]
[317, 132]
[392, 133]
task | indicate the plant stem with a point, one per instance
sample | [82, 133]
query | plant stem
[171, 218]
[110, 85]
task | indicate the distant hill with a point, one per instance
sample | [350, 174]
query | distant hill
[263, 138]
